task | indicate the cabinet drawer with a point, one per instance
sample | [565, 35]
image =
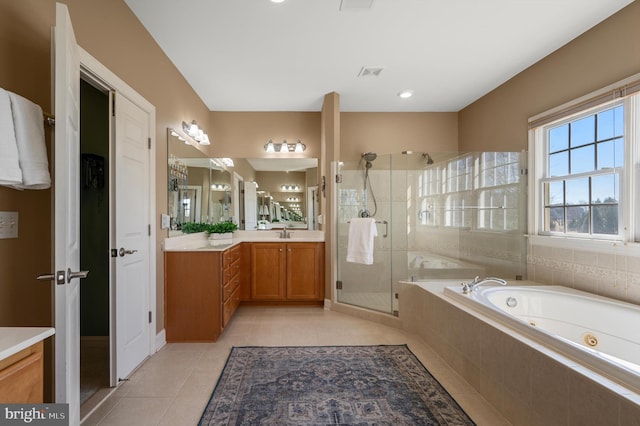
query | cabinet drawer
[230, 287]
[230, 306]
[230, 272]
[230, 256]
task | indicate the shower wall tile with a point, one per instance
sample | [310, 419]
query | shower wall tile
[380, 185]
[399, 188]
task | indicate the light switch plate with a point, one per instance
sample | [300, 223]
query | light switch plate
[8, 225]
[165, 221]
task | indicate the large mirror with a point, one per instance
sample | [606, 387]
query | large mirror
[286, 193]
[255, 193]
[199, 188]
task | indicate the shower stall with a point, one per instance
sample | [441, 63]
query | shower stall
[438, 216]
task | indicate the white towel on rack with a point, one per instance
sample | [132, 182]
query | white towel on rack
[360, 243]
[10, 173]
[29, 127]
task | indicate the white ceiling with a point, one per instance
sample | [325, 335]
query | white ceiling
[254, 55]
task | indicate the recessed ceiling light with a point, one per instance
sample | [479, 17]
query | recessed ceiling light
[405, 94]
[277, 1]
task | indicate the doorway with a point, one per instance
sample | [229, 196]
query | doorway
[95, 359]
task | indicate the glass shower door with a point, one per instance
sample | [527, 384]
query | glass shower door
[366, 286]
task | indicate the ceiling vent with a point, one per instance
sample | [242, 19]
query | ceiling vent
[370, 72]
[356, 5]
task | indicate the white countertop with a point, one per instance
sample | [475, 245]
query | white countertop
[200, 241]
[15, 339]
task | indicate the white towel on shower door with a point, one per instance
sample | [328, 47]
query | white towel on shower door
[29, 127]
[10, 173]
[360, 242]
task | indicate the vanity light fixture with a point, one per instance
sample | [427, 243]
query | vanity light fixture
[290, 187]
[219, 187]
[222, 162]
[284, 147]
[293, 199]
[194, 131]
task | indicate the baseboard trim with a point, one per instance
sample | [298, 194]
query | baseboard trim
[327, 304]
[161, 339]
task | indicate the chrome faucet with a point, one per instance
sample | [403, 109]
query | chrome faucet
[285, 233]
[477, 282]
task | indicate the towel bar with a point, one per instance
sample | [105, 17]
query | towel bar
[386, 226]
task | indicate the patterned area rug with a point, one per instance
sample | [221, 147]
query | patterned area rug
[329, 385]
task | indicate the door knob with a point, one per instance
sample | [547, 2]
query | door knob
[79, 274]
[58, 277]
[123, 252]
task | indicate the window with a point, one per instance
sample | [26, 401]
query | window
[584, 168]
[480, 191]
[498, 178]
[584, 161]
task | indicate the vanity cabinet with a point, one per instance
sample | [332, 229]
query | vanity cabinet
[287, 272]
[21, 376]
[202, 292]
[231, 267]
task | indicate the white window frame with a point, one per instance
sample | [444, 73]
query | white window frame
[629, 203]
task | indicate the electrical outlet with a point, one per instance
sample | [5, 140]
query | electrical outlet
[8, 225]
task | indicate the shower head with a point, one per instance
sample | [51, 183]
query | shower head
[427, 157]
[369, 156]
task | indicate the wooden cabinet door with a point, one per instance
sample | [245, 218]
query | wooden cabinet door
[267, 271]
[193, 296]
[305, 271]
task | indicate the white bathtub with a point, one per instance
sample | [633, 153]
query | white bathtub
[425, 265]
[600, 333]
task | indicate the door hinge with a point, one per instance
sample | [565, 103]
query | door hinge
[339, 178]
[149, 229]
[524, 172]
[149, 139]
[113, 104]
[396, 295]
[339, 285]
[114, 252]
[150, 317]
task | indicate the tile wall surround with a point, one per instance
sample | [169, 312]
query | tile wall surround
[612, 271]
[527, 383]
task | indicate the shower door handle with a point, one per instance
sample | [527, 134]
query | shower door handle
[386, 228]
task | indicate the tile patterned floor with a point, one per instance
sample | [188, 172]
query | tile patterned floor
[174, 386]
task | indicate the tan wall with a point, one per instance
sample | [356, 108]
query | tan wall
[244, 169]
[243, 134]
[607, 53]
[109, 31]
[392, 132]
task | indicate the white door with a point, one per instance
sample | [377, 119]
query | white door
[250, 206]
[132, 234]
[67, 215]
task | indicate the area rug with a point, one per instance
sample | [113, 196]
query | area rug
[329, 385]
